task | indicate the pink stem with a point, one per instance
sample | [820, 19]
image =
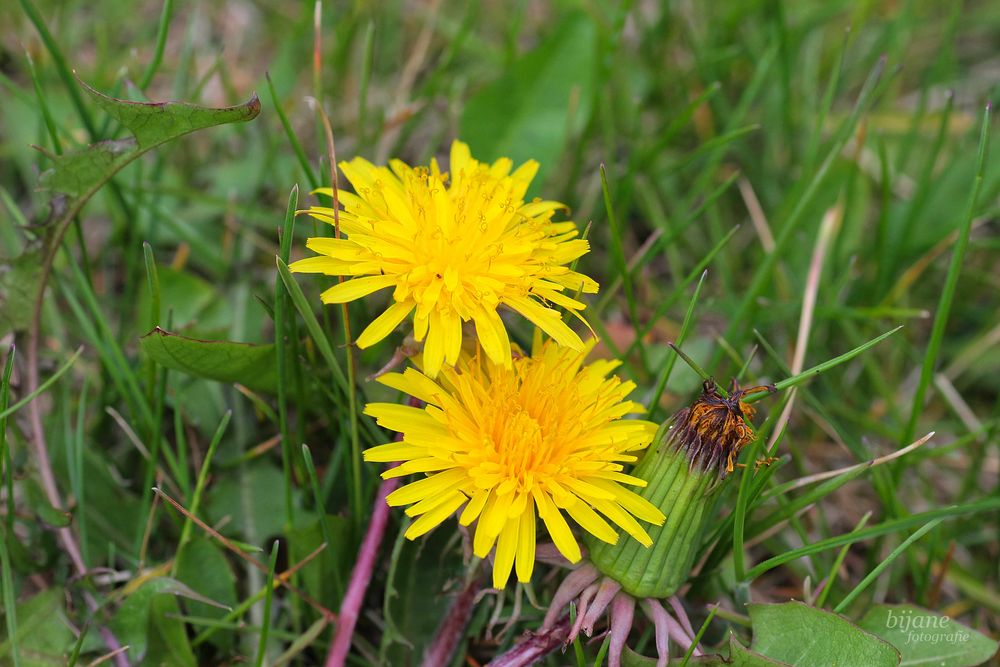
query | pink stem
[43, 465]
[452, 628]
[535, 647]
[361, 575]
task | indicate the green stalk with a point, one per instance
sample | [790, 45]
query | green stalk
[281, 329]
[9, 599]
[161, 42]
[202, 480]
[871, 576]
[668, 368]
[62, 67]
[268, 599]
[950, 284]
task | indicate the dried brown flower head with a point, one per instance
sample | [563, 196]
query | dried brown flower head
[713, 429]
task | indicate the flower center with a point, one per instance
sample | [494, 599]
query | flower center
[450, 267]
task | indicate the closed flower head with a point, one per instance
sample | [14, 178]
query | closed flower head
[506, 444]
[685, 468]
[454, 247]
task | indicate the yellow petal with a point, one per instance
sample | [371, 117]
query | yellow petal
[384, 324]
[526, 172]
[416, 384]
[434, 346]
[625, 520]
[591, 522]
[393, 451]
[452, 327]
[492, 335]
[475, 507]
[321, 264]
[432, 502]
[356, 288]
[435, 516]
[423, 464]
[423, 488]
[546, 319]
[336, 248]
[459, 159]
[525, 562]
[558, 529]
[506, 550]
[633, 502]
[491, 522]
[403, 418]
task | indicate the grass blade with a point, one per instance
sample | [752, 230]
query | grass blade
[9, 601]
[871, 576]
[825, 366]
[161, 42]
[885, 528]
[950, 284]
[268, 600]
[6, 412]
[199, 486]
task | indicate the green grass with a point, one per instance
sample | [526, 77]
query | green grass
[660, 127]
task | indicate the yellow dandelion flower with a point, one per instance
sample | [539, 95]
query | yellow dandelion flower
[453, 247]
[543, 437]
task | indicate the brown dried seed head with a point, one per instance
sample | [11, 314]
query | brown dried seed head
[713, 429]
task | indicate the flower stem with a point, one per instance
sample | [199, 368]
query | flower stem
[361, 575]
[452, 629]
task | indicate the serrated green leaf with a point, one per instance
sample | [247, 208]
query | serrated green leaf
[739, 656]
[154, 123]
[80, 173]
[805, 636]
[18, 282]
[526, 113]
[924, 637]
[253, 366]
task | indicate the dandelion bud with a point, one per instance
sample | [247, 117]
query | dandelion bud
[684, 469]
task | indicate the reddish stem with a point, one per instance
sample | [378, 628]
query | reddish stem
[361, 575]
[452, 628]
[535, 647]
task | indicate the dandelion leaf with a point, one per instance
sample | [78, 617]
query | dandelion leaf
[147, 621]
[18, 282]
[804, 636]
[253, 366]
[739, 656]
[82, 172]
[925, 637]
[44, 634]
